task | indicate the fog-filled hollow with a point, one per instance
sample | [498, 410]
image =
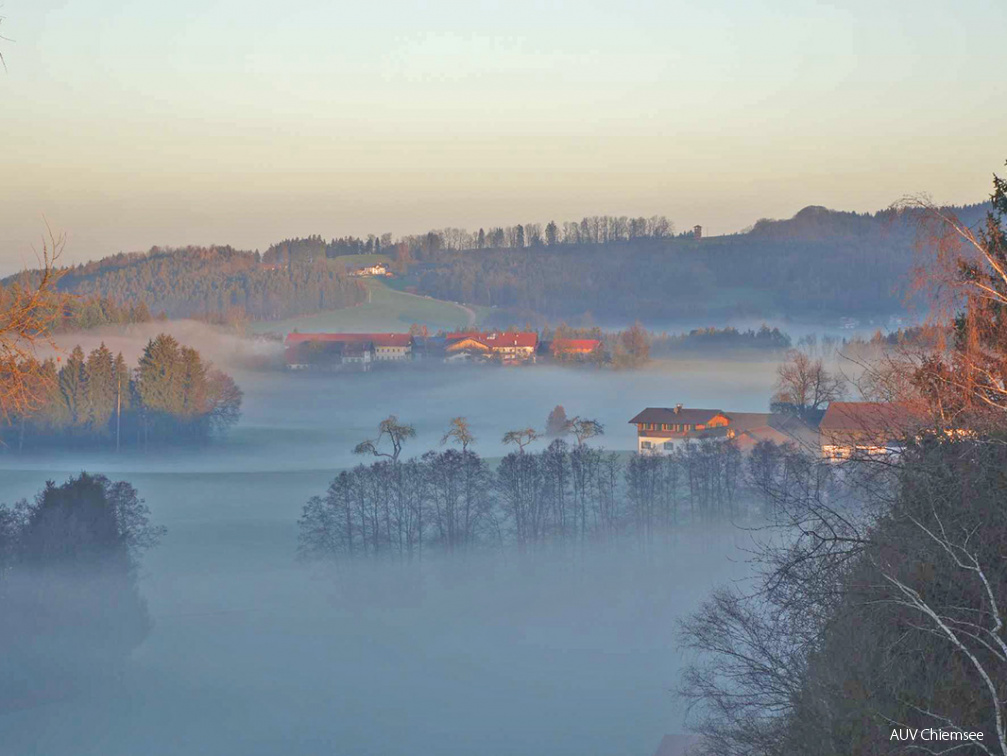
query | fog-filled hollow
[563, 650]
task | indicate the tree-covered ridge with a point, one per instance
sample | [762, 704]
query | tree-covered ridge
[172, 395]
[821, 263]
[212, 282]
[316, 248]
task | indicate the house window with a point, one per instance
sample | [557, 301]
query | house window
[646, 445]
[668, 446]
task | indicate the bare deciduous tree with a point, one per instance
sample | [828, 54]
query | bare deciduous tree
[804, 385]
[521, 437]
[28, 311]
[397, 434]
[460, 433]
[583, 429]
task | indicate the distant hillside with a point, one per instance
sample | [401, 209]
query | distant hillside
[820, 264]
[214, 281]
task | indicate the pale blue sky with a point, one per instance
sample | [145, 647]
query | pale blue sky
[133, 123]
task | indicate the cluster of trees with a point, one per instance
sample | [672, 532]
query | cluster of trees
[75, 313]
[451, 499]
[214, 282]
[879, 612]
[80, 313]
[715, 339]
[70, 607]
[172, 395]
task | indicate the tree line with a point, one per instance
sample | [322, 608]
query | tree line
[452, 499]
[316, 248]
[173, 395]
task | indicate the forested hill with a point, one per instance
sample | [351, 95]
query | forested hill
[818, 264]
[214, 282]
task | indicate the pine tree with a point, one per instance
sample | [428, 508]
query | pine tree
[194, 394]
[123, 395]
[100, 387]
[160, 377]
[73, 387]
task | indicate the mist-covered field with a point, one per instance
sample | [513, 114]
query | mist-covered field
[569, 651]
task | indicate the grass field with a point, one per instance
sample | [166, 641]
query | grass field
[387, 310]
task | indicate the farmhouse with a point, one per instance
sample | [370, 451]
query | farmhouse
[508, 347]
[308, 350]
[658, 428]
[378, 269]
[872, 428]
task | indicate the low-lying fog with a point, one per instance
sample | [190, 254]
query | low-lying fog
[569, 652]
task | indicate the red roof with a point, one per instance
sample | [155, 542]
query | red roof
[575, 345]
[869, 417]
[379, 339]
[498, 339]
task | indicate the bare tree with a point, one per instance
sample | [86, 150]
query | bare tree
[5, 39]
[397, 434]
[459, 432]
[804, 385]
[583, 429]
[521, 437]
[28, 311]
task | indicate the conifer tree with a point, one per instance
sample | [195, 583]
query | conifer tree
[73, 386]
[100, 387]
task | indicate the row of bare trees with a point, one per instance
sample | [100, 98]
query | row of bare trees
[451, 499]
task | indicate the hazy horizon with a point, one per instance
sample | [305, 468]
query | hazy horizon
[130, 125]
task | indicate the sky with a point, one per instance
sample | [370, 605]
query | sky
[132, 123]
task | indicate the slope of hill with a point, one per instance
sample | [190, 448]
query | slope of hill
[214, 281]
[820, 264]
[386, 310]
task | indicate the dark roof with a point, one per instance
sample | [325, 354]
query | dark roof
[683, 415]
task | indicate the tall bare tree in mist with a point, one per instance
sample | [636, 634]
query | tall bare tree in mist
[395, 432]
[804, 385]
[459, 433]
[28, 310]
[879, 606]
